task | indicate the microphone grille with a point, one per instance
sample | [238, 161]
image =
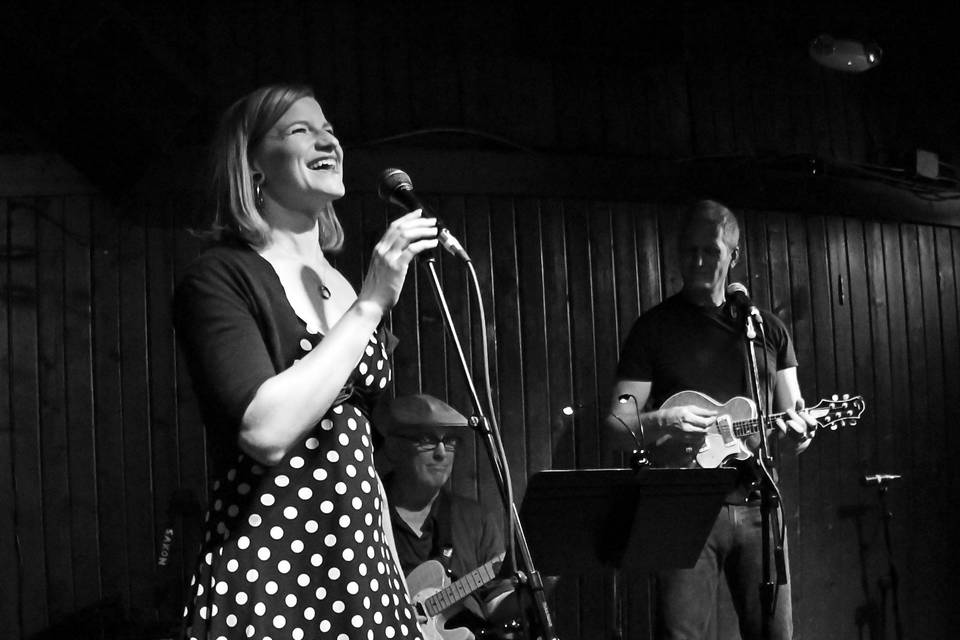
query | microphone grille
[392, 179]
[737, 287]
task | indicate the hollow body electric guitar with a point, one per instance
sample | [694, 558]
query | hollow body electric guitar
[435, 598]
[736, 420]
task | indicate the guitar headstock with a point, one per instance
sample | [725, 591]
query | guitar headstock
[838, 411]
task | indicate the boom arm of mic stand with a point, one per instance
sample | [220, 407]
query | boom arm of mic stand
[494, 445]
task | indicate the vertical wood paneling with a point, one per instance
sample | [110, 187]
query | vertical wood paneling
[10, 580]
[24, 412]
[54, 460]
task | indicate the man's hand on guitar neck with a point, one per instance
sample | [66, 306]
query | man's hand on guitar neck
[799, 427]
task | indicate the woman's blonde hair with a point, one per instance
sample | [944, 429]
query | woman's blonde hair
[241, 130]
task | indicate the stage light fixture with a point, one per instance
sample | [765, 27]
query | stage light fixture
[851, 56]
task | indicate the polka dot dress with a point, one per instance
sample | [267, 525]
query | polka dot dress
[297, 550]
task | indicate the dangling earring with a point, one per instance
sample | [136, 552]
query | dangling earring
[257, 195]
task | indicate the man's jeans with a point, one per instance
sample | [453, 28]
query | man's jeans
[687, 598]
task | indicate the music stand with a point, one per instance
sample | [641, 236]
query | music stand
[595, 520]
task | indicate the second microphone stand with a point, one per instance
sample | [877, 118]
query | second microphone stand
[527, 581]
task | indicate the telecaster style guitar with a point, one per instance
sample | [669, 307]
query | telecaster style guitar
[434, 597]
[736, 419]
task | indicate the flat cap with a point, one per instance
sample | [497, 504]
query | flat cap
[407, 413]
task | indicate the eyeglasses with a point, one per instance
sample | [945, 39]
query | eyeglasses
[429, 443]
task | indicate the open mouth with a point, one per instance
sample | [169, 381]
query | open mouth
[323, 164]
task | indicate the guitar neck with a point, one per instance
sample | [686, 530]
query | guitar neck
[457, 591]
[750, 426]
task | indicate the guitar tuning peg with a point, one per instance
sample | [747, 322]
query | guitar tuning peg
[846, 396]
[834, 397]
[833, 427]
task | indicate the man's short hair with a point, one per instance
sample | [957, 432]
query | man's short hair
[716, 214]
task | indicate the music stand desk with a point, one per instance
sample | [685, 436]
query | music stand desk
[596, 520]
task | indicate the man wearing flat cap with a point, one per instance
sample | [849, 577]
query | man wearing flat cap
[422, 435]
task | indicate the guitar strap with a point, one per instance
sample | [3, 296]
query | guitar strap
[442, 550]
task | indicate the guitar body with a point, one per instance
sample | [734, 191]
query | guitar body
[677, 450]
[424, 581]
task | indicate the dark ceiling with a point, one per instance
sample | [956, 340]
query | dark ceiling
[111, 86]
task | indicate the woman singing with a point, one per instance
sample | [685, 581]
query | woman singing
[287, 359]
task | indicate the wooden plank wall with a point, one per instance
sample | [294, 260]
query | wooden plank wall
[102, 448]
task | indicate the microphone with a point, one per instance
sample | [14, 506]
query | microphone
[395, 187]
[639, 458]
[879, 479]
[738, 295]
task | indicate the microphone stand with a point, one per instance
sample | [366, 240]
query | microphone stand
[529, 582]
[767, 493]
[892, 580]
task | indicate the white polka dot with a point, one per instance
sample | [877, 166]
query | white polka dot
[267, 499]
[340, 488]
[373, 339]
[203, 612]
[351, 424]
[290, 600]
[344, 521]
[376, 536]
[252, 575]
[365, 486]
[353, 588]
[370, 554]
[276, 533]
[316, 559]
[208, 559]
[380, 365]
[243, 542]
[231, 620]
[320, 474]
[376, 503]
[281, 480]
[309, 613]
[279, 622]
[305, 493]
[243, 488]
[356, 621]
[303, 579]
[254, 520]
[369, 350]
[325, 626]
[333, 456]
[263, 553]
[338, 409]
[222, 588]
[365, 440]
[221, 528]
[338, 606]
[290, 513]
[296, 546]
[241, 598]
[348, 554]
[343, 439]
[321, 593]
[233, 510]
[311, 526]
[271, 587]
[283, 566]
[374, 585]
[217, 504]
[383, 383]
[366, 602]
[368, 519]
[199, 589]
[297, 634]
[333, 573]
[351, 470]
[233, 565]
[368, 380]
[362, 368]
[259, 608]
[358, 535]
[384, 600]
[358, 455]
[250, 630]
[380, 565]
[389, 631]
[326, 424]
[330, 540]
[378, 617]
[362, 569]
[312, 328]
[305, 344]
[312, 443]
[403, 627]
[296, 462]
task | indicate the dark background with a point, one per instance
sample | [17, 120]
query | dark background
[557, 141]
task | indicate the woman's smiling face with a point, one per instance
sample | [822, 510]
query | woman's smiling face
[300, 160]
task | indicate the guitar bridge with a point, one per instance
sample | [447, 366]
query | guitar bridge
[725, 429]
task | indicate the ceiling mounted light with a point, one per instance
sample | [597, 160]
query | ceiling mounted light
[851, 56]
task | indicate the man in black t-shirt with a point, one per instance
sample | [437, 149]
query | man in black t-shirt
[694, 341]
